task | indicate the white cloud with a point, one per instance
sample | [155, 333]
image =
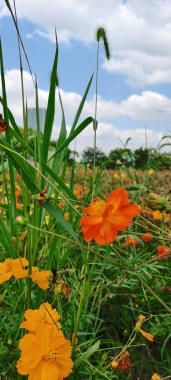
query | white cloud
[148, 107]
[139, 32]
[138, 108]
[108, 138]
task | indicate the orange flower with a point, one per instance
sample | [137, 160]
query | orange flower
[157, 215]
[3, 125]
[131, 241]
[155, 376]
[44, 315]
[139, 329]
[107, 218]
[147, 236]
[11, 268]
[123, 362]
[163, 252]
[45, 353]
[40, 277]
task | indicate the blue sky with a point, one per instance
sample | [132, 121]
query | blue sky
[133, 84]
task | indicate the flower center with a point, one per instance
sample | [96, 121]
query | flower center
[108, 211]
[51, 356]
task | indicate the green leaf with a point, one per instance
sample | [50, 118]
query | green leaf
[87, 354]
[50, 108]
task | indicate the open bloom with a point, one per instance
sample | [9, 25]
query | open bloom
[131, 241]
[163, 252]
[144, 333]
[40, 277]
[105, 219]
[44, 315]
[147, 236]
[47, 353]
[155, 376]
[11, 268]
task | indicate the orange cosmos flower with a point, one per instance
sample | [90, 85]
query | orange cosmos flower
[147, 236]
[131, 241]
[157, 215]
[47, 353]
[107, 218]
[139, 329]
[155, 376]
[11, 268]
[123, 362]
[44, 315]
[40, 277]
[163, 252]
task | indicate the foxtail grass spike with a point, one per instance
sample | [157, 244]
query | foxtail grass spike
[101, 34]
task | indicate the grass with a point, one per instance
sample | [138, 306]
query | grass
[100, 291]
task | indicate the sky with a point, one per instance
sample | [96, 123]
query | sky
[134, 85]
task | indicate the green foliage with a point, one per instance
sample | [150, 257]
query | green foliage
[88, 156]
[100, 291]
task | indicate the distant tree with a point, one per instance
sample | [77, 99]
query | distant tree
[70, 156]
[124, 155]
[88, 156]
[141, 156]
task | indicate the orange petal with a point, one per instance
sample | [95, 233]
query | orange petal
[147, 335]
[118, 197]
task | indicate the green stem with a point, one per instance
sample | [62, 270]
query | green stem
[154, 294]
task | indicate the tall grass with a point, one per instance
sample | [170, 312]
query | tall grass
[100, 291]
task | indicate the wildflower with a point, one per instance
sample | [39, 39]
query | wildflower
[139, 329]
[44, 315]
[46, 352]
[107, 218]
[40, 277]
[116, 175]
[3, 125]
[150, 172]
[163, 252]
[155, 376]
[157, 215]
[62, 288]
[11, 268]
[114, 364]
[131, 241]
[155, 201]
[147, 236]
[123, 362]
[41, 197]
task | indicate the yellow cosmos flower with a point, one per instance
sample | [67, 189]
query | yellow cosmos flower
[11, 268]
[139, 329]
[44, 315]
[45, 353]
[40, 277]
[155, 376]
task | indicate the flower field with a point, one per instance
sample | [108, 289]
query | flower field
[85, 257]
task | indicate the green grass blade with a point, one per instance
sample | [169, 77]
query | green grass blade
[73, 135]
[50, 108]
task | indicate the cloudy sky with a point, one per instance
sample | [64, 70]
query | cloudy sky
[134, 88]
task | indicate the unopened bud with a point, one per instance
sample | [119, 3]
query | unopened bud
[20, 220]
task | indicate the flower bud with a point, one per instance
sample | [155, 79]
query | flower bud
[156, 202]
[20, 220]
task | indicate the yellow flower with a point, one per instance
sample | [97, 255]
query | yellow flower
[150, 172]
[157, 215]
[45, 353]
[43, 315]
[139, 329]
[155, 376]
[11, 268]
[40, 277]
